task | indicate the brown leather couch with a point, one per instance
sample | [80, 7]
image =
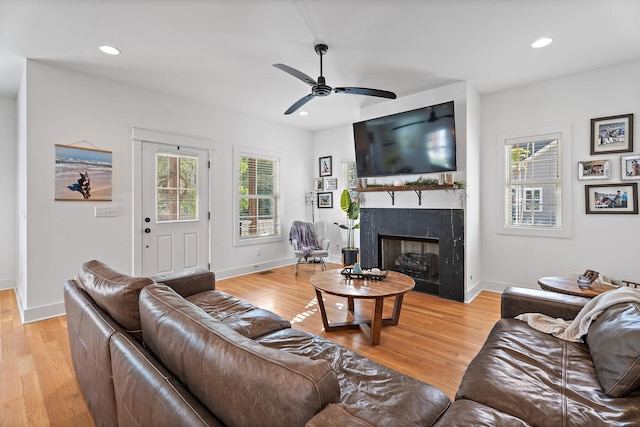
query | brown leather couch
[182, 353]
[173, 351]
[523, 377]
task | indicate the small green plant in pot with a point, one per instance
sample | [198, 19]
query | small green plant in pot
[351, 206]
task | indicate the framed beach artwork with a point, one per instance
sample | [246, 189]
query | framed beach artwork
[612, 198]
[630, 167]
[613, 134]
[82, 174]
[596, 169]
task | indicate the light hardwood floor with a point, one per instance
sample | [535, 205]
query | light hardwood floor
[434, 341]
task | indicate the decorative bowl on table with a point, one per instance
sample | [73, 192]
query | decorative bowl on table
[370, 274]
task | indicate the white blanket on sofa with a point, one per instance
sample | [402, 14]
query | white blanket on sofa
[574, 330]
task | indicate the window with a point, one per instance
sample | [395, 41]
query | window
[535, 194]
[257, 197]
[533, 200]
[176, 188]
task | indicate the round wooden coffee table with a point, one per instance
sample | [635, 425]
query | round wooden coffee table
[569, 286]
[394, 285]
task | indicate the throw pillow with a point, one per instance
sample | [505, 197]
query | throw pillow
[614, 343]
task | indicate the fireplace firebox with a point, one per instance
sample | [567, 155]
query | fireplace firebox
[416, 257]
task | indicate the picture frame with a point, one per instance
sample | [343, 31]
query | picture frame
[325, 166]
[318, 184]
[594, 169]
[325, 200]
[620, 198]
[591, 275]
[83, 174]
[330, 184]
[612, 134]
[630, 167]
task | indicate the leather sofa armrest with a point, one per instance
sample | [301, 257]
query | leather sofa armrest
[516, 300]
[188, 282]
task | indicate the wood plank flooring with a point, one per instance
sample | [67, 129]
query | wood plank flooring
[434, 341]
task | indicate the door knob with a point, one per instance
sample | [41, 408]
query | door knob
[147, 230]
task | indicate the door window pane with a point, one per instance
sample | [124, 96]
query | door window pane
[176, 188]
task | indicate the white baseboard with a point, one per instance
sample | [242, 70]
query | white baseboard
[247, 269]
[41, 313]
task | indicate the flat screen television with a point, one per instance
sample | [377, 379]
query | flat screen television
[412, 142]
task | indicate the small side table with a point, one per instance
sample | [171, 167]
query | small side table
[569, 286]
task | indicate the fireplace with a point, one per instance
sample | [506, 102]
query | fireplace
[416, 257]
[426, 244]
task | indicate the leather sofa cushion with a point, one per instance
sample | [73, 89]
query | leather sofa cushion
[114, 292]
[614, 342]
[369, 392]
[237, 379]
[239, 315]
[465, 413]
[542, 379]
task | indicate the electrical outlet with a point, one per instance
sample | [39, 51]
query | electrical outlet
[257, 251]
[106, 211]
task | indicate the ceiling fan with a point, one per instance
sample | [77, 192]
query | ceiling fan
[320, 88]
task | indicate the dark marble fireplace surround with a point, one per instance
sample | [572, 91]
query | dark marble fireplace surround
[445, 225]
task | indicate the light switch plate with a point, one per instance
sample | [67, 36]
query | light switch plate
[106, 211]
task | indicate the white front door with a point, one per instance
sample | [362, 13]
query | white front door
[175, 208]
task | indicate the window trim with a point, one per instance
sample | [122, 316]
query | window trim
[238, 152]
[564, 207]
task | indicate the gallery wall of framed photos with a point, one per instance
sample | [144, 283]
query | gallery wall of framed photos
[611, 135]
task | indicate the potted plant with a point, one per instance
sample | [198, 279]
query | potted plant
[351, 206]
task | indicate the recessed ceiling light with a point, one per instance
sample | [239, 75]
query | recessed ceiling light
[542, 42]
[109, 50]
[303, 113]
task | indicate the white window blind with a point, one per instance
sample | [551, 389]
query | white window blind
[533, 182]
[258, 189]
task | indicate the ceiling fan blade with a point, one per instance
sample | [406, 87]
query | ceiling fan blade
[299, 103]
[297, 74]
[365, 91]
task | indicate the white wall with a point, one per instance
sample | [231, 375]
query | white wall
[605, 243]
[65, 107]
[8, 170]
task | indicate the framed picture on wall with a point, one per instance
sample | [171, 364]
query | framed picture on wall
[611, 198]
[613, 134]
[82, 174]
[596, 169]
[318, 184]
[325, 166]
[630, 167]
[330, 184]
[325, 200]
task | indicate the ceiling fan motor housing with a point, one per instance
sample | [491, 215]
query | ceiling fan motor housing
[321, 89]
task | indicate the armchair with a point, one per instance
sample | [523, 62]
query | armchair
[309, 243]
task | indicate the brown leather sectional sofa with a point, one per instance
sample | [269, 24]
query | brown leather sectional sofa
[173, 351]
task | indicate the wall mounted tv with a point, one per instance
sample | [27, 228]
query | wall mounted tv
[413, 142]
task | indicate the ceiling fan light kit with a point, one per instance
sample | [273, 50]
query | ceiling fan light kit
[320, 87]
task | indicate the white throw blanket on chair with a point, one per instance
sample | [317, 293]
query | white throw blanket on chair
[574, 330]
